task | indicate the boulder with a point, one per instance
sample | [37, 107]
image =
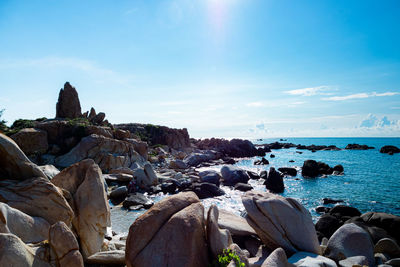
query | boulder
[136, 199]
[119, 178]
[243, 187]
[83, 181]
[253, 175]
[14, 252]
[358, 147]
[233, 175]
[310, 169]
[327, 225]
[151, 175]
[195, 159]
[338, 168]
[37, 197]
[288, 171]
[119, 192]
[98, 130]
[112, 257]
[237, 148]
[121, 134]
[387, 246]
[354, 261]
[49, 170]
[331, 201]
[281, 222]
[263, 161]
[210, 176]
[13, 162]
[344, 211]
[99, 118]
[108, 153]
[306, 259]
[171, 233]
[237, 226]
[64, 245]
[388, 222]
[31, 141]
[242, 254]
[218, 239]
[168, 188]
[389, 149]
[68, 105]
[277, 259]
[206, 190]
[274, 181]
[142, 180]
[177, 164]
[29, 229]
[92, 113]
[348, 241]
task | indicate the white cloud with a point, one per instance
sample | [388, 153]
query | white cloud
[255, 104]
[310, 91]
[372, 121]
[359, 96]
[260, 126]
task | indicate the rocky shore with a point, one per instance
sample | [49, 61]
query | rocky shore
[58, 177]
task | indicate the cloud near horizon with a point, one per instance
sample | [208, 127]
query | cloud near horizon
[359, 96]
[310, 91]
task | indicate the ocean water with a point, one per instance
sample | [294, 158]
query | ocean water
[371, 180]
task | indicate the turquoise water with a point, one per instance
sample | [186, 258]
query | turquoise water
[371, 180]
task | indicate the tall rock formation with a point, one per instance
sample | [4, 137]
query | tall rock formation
[68, 105]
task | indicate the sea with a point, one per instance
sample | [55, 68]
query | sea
[371, 180]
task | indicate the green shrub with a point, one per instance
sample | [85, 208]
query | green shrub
[3, 126]
[226, 257]
[79, 122]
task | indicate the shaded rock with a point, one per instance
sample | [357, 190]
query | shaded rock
[168, 188]
[121, 134]
[83, 181]
[233, 175]
[92, 113]
[310, 169]
[338, 168]
[29, 229]
[206, 190]
[306, 259]
[277, 259]
[68, 105]
[393, 262]
[237, 148]
[327, 225]
[389, 149]
[387, 246]
[263, 174]
[218, 239]
[322, 209]
[177, 164]
[113, 257]
[31, 141]
[65, 245]
[123, 170]
[358, 147]
[348, 241]
[243, 187]
[281, 222]
[106, 152]
[135, 199]
[272, 156]
[274, 181]
[288, 171]
[195, 159]
[210, 176]
[49, 170]
[119, 192]
[140, 147]
[99, 118]
[331, 201]
[388, 222]
[13, 252]
[263, 161]
[342, 211]
[171, 233]
[13, 162]
[253, 175]
[237, 226]
[37, 197]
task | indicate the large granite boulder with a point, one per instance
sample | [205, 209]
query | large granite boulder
[348, 241]
[281, 222]
[83, 181]
[13, 162]
[64, 244]
[277, 259]
[171, 233]
[108, 153]
[218, 239]
[29, 229]
[274, 181]
[195, 159]
[37, 197]
[31, 141]
[237, 225]
[141, 147]
[68, 105]
[14, 252]
[233, 175]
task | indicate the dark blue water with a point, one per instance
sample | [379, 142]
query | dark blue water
[371, 180]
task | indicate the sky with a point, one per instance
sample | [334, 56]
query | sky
[220, 68]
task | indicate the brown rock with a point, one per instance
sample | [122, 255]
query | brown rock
[171, 233]
[112, 257]
[99, 130]
[13, 162]
[83, 181]
[68, 105]
[92, 113]
[140, 147]
[121, 134]
[98, 118]
[37, 197]
[31, 140]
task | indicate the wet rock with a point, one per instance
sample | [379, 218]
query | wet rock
[263, 161]
[168, 188]
[327, 225]
[272, 156]
[137, 199]
[243, 187]
[207, 190]
[210, 176]
[322, 209]
[338, 168]
[389, 149]
[274, 181]
[171, 233]
[281, 222]
[348, 241]
[253, 175]
[288, 171]
[233, 175]
[68, 105]
[331, 201]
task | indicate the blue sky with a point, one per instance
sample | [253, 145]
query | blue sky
[224, 68]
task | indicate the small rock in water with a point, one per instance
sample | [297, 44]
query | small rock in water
[136, 199]
[243, 187]
[331, 201]
[253, 175]
[272, 156]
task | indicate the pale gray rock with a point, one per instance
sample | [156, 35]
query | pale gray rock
[355, 260]
[277, 259]
[306, 259]
[112, 257]
[49, 170]
[218, 239]
[237, 226]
